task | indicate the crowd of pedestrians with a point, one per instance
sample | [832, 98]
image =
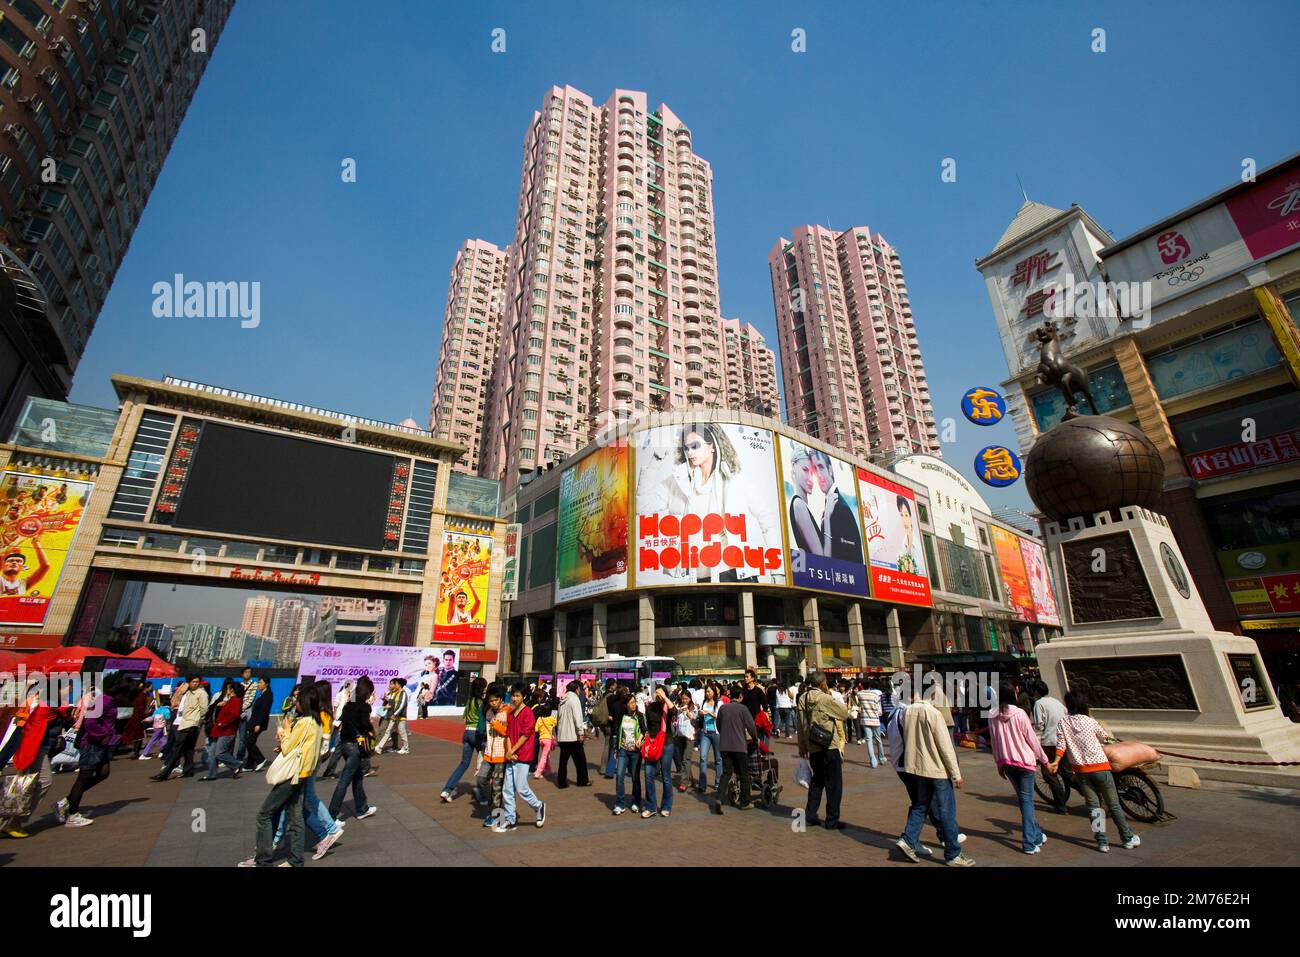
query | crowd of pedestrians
[656, 742]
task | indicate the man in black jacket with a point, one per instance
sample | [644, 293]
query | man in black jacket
[258, 720]
[735, 723]
[616, 702]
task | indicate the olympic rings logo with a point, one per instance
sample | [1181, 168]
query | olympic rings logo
[1187, 275]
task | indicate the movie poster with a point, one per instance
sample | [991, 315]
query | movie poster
[707, 508]
[823, 521]
[1040, 582]
[893, 540]
[461, 614]
[591, 555]
[41, 517]
[1006, 545]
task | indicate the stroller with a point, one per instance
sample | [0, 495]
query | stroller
[764, 778]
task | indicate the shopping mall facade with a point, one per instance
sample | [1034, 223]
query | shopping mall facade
[727, 540]
[191, 484]
[1207, 365]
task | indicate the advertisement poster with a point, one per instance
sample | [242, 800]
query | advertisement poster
[1040, 583]
[41, 515]
[1006, 545]
[893, 541]
[463, 588]
[825, 527]
[707, 508]
[428, 674]
[591, 556]
[510, 573]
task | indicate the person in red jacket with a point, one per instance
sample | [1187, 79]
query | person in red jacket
[225, 733]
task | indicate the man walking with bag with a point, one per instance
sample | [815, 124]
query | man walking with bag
[821, 741]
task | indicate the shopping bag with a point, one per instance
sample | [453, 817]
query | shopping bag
[802, 772]
[17, 795]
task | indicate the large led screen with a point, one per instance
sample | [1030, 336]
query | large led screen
[248, 482]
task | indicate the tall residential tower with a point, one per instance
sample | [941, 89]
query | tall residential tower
[92, 94]
[470, 326]
[612, 307]
[850, 358]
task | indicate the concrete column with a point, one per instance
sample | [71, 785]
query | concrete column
[526, 647]
[857, 635]
[646, 630]
[748, 630]
[895, 632]
[599, 627]
[560, 641]
[812, 621]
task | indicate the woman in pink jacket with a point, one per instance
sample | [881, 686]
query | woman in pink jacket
[1018, 752]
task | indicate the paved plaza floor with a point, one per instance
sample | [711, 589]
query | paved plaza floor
[140, 823]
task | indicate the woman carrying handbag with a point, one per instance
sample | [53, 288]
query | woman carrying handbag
[299, 751]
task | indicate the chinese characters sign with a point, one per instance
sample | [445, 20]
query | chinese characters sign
[1243, 456]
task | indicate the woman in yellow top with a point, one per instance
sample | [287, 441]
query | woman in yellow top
[302, 737]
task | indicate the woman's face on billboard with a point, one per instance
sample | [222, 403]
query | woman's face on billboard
[905, 517]
[699, 453]
[805, 475]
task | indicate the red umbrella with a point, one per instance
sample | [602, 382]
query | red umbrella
[158, 668]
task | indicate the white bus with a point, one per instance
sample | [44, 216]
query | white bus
[635, 671]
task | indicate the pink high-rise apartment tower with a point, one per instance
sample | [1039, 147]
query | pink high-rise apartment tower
[471, 325]
[612, 308]
[750, 370]
[850, 358]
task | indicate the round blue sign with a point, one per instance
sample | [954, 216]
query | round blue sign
[983, 406]
[998, 466]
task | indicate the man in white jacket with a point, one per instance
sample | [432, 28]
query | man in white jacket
[569, 732]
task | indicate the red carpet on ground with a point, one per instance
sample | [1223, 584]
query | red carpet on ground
[448, 729]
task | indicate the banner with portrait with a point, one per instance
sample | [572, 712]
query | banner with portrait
[1040, 582]
[461, 614]
[429, 675]
[40, 520]
[893, 541]
[823, 521]
[592, 547]
[707, 509]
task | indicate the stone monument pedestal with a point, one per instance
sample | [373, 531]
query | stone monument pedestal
[1138, 640]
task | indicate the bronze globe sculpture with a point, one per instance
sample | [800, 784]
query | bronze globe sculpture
[1087, 463]
[1093, 463]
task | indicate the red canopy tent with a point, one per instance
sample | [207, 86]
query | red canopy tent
[10, 660]
[158, 668]
[69, 658]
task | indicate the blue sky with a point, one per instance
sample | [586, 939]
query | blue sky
[852, 132]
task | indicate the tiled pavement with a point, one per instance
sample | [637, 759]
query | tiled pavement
[183, 823]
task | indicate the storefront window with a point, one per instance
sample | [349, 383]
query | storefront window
[1260, 517]
[1239, 351]
[1222, 428]
[1109, 391]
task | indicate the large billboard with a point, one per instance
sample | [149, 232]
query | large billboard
[1040, 582]
[592, 550]
[706, 506]
[461, 614]
[823, 521]
[254, 482]
[427, 673]
[1020, 596]
[41, 517]
[893, 541]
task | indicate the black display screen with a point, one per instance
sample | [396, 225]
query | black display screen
[247, 482]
